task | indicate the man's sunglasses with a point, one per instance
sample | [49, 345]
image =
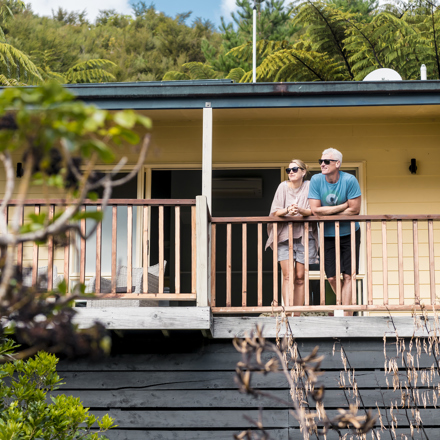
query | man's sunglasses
[326, 161]
[294, 169]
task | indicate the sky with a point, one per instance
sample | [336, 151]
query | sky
[207, 9]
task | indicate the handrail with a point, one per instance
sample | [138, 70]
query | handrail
[117, 202]
[328, 218]
[136, 228]
[385, 256]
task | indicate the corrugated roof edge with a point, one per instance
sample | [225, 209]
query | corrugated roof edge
[220, 88]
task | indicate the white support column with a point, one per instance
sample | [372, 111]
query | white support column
[203, 286]
[207, 155]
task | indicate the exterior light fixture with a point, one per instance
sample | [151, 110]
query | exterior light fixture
[20, 170]
[413, 166]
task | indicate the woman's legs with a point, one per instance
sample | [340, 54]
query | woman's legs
[285, 269]
[298, 297]
[298, 283]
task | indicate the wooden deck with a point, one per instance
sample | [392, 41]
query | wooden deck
[228, 327]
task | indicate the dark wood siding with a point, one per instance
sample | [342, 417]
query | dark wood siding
[183, 387]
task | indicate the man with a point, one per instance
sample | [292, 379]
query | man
[334, 192]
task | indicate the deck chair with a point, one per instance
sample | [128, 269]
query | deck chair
[137, 277]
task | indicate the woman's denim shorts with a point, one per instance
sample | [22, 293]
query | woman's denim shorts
[298, 250]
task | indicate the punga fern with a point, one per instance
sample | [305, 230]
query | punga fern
[90, 71]
[193, 70]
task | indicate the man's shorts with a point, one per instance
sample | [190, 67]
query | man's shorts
[345, 246]
[298, 250]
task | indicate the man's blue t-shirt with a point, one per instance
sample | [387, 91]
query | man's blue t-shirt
[331, 194]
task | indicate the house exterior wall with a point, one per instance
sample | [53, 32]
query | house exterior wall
[381, 140]
[183, 387]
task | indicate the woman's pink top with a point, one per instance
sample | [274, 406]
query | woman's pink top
[284, 197]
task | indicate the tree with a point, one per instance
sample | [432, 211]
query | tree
[55, 134]
[26, 411]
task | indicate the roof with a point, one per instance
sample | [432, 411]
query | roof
[226, 94]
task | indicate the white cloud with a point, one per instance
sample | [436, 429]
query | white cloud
[228, 6]
[45, 7]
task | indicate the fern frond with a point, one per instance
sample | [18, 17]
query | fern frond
[89, 76]
[173, 75]
[14, 59]
[236, 74]
[200, 71]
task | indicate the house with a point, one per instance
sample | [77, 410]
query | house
[197, 214]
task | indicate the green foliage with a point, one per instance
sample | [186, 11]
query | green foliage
[142, 48]
[192, 71]
[27, 411]
[48, 118]
[346, 41]
[54, 133]
[366, 8]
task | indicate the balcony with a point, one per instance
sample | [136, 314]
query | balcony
[184, 268]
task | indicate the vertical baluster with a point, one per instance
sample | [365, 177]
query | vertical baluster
[228, 264]
[321, 265]
[67, 261]
[146, 247]
[385, 262]
[20, 245]
[400, 261]
[244, 266]
[177, 249]
[416, 260]
[260, 265]
[129, 247]
[213, 263]
[431, 260]
[35, 254]
[114, 246]
[161, 249]
[82, 249]
[50, 254]
[353, 262]
[306, 264]
[369, 265]
[338, 264]
[194, 250]
[289, 298]
[3, 249]
[275, 264]
[98, 267]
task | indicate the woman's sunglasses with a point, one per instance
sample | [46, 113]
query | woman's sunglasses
[294, 170]
[326, 161]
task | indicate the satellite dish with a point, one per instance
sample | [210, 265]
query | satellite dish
[383, 75]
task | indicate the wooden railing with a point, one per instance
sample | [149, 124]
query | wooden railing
[154, 223]
[390, 277]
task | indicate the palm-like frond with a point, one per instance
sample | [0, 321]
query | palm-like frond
[236, 74]
[325, 29]
[173, 75]
[10, 81]
[14, 63]
[90, 71]
[200, 71]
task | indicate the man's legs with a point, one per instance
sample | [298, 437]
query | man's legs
[330, 259]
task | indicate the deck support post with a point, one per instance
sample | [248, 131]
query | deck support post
[207, 155]
[203, 286]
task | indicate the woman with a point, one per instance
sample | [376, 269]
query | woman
[291, 200]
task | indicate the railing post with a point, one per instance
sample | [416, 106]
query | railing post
[203, 286]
